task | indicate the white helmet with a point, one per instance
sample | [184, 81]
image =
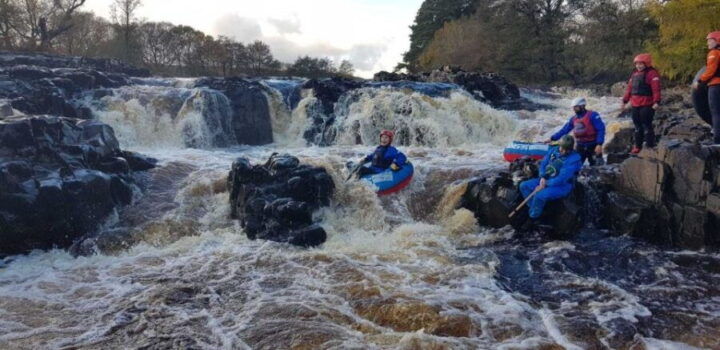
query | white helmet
[580, 101]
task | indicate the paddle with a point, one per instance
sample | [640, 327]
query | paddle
[355, 170]
[523, 203]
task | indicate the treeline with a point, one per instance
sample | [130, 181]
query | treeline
[61, 27]
[564, 41]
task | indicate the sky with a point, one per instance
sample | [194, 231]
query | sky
[372, 34]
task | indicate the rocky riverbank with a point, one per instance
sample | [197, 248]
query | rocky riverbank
[669, 195]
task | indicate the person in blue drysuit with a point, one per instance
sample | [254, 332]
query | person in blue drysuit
[589, 131]
[385, 156]
[557, 177]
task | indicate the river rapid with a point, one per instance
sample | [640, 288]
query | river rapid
[408, 271]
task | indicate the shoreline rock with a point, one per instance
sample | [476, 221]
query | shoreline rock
[60, 179]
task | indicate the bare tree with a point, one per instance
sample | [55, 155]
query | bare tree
[38, 22]
[125, 18]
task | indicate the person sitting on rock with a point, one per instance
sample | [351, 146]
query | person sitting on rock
[643, 93]
[557, 178]
[589, 130]
[711, 77]
[385, 156]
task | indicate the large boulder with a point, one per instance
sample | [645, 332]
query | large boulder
[60, 179]
[276, 200]
[251, 120]
[494, 197]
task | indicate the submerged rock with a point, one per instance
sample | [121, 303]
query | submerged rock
[275, 201]
[60, 178]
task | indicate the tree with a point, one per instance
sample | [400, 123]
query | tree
[125, 19]
[259, 59]
[89, 36]
[312, 67]
[8, 15]
[346, 69]
[683, 25]
[37, 23]
[430, 17]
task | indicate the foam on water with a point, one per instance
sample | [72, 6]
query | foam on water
[408, 271]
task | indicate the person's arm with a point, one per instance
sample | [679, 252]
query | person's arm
[654, 78]
[599, 128]
[713, 59]
[398, 157]
[570, 168]
[567, 128]
[368, 157]
[545, 161]
[628, 91]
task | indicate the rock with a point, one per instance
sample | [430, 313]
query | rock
[618, 89]
[618, 148]
[275, 201]
[6, 109]
[251, 120]
[644, 178]
[9, 59]
[42, 90]
[493, 198]
[60, 179]
[491, 88]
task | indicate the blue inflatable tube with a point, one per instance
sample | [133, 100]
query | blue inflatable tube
[388, 181]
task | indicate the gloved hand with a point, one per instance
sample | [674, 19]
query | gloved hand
[362, 161]
[394, 167]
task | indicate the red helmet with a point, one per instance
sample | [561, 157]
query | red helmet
[714, 35]
[644, 58]
[388, 133]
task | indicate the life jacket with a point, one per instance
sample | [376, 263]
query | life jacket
[379, 160]
[583, 129]
[640, 87]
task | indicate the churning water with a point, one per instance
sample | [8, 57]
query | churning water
[402, 272]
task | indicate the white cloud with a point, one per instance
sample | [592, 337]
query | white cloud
[372, 34]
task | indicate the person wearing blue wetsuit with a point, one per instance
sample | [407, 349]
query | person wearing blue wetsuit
[588, 129]
[557, 178]
[385, 156]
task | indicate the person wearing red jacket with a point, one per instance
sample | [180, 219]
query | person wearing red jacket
[711, 77]
[643, 93]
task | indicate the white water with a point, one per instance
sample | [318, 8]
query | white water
[395, 273]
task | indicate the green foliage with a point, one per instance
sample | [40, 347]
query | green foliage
[681, 48]
[430, 17]
[547, 41]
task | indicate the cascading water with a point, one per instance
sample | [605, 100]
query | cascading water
[408, 271]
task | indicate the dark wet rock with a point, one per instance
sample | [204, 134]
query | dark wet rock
[618, 149]
[9, 59]
[251, 120]
[60, 178]
[6, 109]
[493, 198]
[42, 90]
[491, 88]
[275, 201]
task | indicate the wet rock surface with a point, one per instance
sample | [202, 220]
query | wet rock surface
[250, 120]
[60, 178]
[276, 200]
[491, 88]
[33, 87]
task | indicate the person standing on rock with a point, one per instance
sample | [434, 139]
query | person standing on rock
[711, 77]
[385, 156]
[643, 94]
[588, 129]
[557, 178]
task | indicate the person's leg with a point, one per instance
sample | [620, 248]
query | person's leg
[537, 204]
[364, 171]
[582, 150]
[714, 102]
[648, 115]
[589, 150]
[527, 187]
[639, 127]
